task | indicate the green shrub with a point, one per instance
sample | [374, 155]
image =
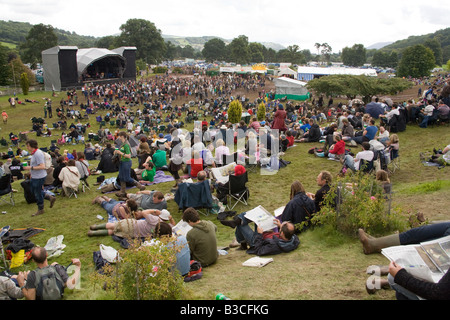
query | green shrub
[362, 205]
[160, 70]
[144, 273]
[235, 111]
[261, 113]
[24, 83]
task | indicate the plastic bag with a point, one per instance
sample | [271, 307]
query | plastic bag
[55, 246]
[109, 253]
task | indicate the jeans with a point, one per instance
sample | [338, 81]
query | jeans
[349, 162]
[425, 233]
[244, 232]
[424, 122]
[36, 186]
[124, 172]
[109, 205]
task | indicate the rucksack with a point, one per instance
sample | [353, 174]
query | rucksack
[49, 284]
[48, 160]
[195, 271]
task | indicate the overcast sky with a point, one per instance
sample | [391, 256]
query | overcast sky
[338, 23]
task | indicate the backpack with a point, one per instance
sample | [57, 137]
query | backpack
[195, 271]
[48, 160]
[49, 284]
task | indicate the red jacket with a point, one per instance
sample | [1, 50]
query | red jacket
[339, 148]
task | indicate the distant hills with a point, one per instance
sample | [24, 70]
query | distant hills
[378, 45]
[198, 42]
[13, 33]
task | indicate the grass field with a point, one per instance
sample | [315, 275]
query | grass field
[326, 266]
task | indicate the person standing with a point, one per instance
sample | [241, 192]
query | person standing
[125, 165]
[5, 117]
[38, 174]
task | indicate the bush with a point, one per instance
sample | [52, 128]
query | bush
[24, 83]
[144, 272]
[361, 204]
[160, 70]
[235, 111]
[261, 113]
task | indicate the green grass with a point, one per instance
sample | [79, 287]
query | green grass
[326, 266]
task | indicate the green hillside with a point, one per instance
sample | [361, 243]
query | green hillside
[14, 33]
[442, 35]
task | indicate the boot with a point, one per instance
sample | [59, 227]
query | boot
[96, 233]
[123, 190]
[98, 226]
[374, 245]
[243, 246]
[140, 186]
[52, 201]
[232, 223]
[50, 198]
[39, 212]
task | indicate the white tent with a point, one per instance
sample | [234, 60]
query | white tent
[309, 73]
[286, 71]
[86, 57]
[290, 89]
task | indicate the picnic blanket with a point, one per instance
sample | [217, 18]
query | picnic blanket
[160, 177]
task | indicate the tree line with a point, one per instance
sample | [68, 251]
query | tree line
[415, 61]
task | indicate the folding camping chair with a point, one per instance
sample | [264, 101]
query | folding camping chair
[4, 231]
[6, 189]
[237, 190]
[394, 164]
[196, 195]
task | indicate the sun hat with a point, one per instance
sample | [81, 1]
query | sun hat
[165, 215]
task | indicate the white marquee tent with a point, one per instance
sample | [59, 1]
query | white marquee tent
[309, 73]
[290, 89]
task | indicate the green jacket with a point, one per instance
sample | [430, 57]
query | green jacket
[159, 158]
[203, 243]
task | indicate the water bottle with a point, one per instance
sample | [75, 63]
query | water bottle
[221, 296]
[99, 217]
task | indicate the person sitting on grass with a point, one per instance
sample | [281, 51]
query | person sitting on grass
[148, 174]
[314, 133]
[300, 207]
[201, 238]
[354, 163]
[70, 177]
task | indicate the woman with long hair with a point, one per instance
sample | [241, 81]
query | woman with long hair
[300, 208]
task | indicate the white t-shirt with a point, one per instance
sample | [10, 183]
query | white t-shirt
[446, 155]
[428, 110]
[391, 113]
[363, 155]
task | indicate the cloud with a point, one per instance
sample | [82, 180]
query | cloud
[288, 22]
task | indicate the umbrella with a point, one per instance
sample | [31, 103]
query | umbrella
[357, 101]
[133, 141]
[388, 101]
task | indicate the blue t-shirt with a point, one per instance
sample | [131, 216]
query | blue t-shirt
[371, 132]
